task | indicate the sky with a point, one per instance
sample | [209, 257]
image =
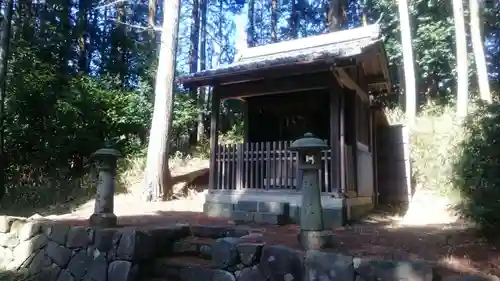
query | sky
[240, 20]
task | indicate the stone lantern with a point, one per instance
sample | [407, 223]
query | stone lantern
[105, 160]
[312, 232]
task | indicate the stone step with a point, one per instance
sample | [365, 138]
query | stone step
[155, 279]
[194, 246]
[196, 259]
[201, 247]
[186, 269]
[215, 231]
[179, 268]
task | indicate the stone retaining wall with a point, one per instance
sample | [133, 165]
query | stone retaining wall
[56, 252]
[51, 251]
[237, 259]
[249, 258]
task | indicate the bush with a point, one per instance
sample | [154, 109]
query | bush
[47, 144]
[460, 160]
[476, 173]
[15, 276]
[434, 136]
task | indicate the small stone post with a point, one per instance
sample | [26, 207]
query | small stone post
[312, 234]
[105, 159]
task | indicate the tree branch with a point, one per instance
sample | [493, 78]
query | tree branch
[145, 28]
[112, 3]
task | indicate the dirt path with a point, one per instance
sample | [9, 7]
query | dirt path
[427, 231]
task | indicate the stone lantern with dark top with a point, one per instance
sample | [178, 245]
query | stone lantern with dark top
[105, 160]
[312, 232]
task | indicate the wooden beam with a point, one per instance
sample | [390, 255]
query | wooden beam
[361, 80]
[382, 58]
[244, 109]
[253, 73]
[335, 103]
[375, 79]
[373, 145]
[347, 81]
[276, 86]
[214, 138]
[342, 151]
[354, 139]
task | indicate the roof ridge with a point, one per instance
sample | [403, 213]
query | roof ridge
[317, 41]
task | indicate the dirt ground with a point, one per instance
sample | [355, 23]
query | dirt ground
[427, 231]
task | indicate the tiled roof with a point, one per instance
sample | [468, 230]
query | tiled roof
[340, 44]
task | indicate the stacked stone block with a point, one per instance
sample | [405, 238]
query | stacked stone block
[248, 259]
[276, 213]
[50, 251]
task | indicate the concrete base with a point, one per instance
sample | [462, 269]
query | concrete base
[104, 220]
[281, 207]
[315, 240]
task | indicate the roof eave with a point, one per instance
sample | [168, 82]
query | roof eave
[287, 69]
[273, 71]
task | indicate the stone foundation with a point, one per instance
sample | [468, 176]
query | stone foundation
[56, 252]
[248, 258]
[268, 210]
[51, 251]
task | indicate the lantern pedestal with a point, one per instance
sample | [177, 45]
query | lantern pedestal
[312, 234]
[103, 215]
[104, 220]
[315, 240]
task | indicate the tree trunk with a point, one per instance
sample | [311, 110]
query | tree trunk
[203, 61]
[195, 37]
[193, 60]
[122, 51]
[152, 24]
[294, 20]
[409, 70]
[152, 14]
[83, 57]
[251, 24]
[477, 47]
[274, 21]
[117, 63]
[364, 12]
[4, 57]
[462, 64]
[336, 15]
[158, 183]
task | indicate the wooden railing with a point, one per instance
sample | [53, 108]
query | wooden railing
[264, 166]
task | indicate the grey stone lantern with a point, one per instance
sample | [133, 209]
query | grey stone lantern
[312, 232]
[105, 160]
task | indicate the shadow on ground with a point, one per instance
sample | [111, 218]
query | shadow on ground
[6, 275]
[195, 181]
[64, 196]
[454, 247]
[51, 203]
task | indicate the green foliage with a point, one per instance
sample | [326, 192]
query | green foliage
[475, 172]
[459, 159]
[48, 144]
[434, 137]
[433, 44]
[234, 135]
[15, 276]
[185, 115]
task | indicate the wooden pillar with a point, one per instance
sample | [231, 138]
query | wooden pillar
[244, 105]
[354, 127]
[214, 138]
[342, 155]
[335, 181]
[373, 145]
